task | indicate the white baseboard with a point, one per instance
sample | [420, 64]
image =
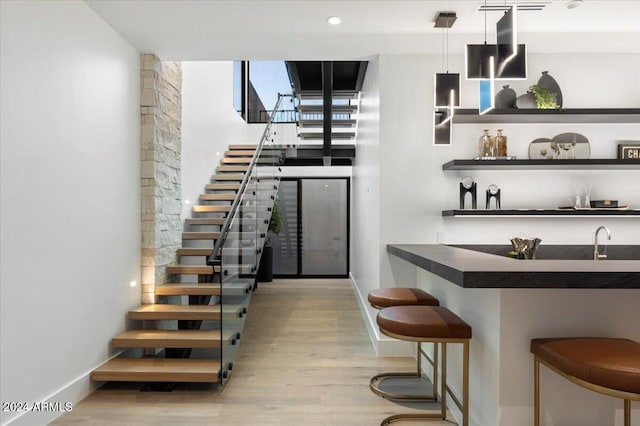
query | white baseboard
[58, 402]
[382, 345]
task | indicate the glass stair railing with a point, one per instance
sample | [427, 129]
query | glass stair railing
[239, 245]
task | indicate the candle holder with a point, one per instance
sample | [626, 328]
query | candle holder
[468, 186]
[493, 192]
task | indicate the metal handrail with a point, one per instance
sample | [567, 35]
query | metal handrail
[213, 258]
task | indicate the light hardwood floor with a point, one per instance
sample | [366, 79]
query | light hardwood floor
[305, 359]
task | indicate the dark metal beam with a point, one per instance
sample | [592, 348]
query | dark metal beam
[362, 70]
[327, 113]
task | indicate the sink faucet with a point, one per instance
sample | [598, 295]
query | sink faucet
[596, 254]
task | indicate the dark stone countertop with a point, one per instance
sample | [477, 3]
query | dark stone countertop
[475, 269]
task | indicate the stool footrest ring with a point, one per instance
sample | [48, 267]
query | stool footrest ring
[398, 417]
[375, 388]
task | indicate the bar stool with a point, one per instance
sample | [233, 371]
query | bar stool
[430, 324]
[405, 296]
[605, 365]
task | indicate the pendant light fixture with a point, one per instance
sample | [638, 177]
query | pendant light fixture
[507, 37]
[446, 84]
[511, 59]
[477, 63]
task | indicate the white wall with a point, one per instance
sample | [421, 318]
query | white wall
[365, 198]
[209, 124]
[70, 209]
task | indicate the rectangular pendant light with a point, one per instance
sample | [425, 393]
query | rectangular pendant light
[442, 126]
[476, 60]
[487, 97]
[444, 85]
[516, 68]
[507, 38]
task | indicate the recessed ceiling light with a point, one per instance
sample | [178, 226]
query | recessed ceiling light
[572, 4]
[333, 20]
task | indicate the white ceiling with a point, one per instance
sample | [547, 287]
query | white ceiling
[296, 29]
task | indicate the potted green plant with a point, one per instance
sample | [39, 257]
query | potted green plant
[545, 98]
[275, 224]
[265, 271]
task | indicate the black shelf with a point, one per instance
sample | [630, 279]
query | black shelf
[574, 115]
[587, 164]
[540, 212]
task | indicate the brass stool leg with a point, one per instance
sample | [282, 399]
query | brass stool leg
[374, 383]
[465, 384]
[444, 389]
[435, 371]
[627, 412]
[536, 392]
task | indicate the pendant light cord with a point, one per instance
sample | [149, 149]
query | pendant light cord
[442, 50]
[447, 46]
[485, 21]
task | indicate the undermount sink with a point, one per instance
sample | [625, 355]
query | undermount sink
[562, 252]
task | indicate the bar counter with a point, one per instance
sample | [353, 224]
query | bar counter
[475, 269]
[508, 302]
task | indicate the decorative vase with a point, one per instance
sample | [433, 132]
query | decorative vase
[488, 147]
[501, 142]
[551, 84]
[505, 98]
[526, 101]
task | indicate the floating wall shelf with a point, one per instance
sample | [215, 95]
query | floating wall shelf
[575, 115]
[541, 213]
[588, 164]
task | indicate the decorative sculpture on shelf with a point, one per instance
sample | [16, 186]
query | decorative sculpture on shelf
[493, 192]
[468, 186]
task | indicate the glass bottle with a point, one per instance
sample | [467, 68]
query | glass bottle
[501, 141]
[487, 145]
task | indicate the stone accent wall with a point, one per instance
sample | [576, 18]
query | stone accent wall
[160, 140]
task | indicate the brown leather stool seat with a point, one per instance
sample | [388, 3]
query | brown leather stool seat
[431, 324]
[606, 365]
[417, 322]
[400, 296]
[403, 296]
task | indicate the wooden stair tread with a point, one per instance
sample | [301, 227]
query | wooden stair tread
[263, 159]
[227, 177]
[232, 168]
[217, 197]
[200, 235]
[171, 339]
[190, 289]
[191, 269]
[211, 209]
[222, 186]
[158, 370]
[193, 251]
[243, 147]
[204, 221]
[175, 312]
[249, 153]
[205, 269]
